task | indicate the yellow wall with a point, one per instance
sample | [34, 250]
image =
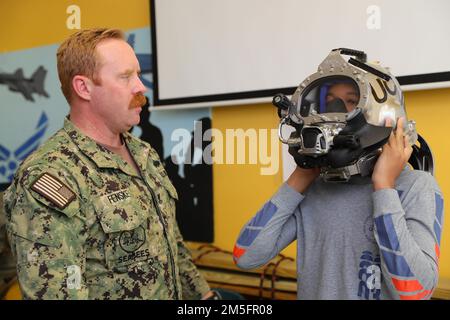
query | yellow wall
[431, 109]
[239, 190]
[31, 23]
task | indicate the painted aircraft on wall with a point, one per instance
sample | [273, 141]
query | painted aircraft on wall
[16, 82]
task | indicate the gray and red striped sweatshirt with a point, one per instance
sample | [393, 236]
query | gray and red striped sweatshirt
[352, 242]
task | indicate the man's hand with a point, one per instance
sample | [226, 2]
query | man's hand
[208, 295]
[301, 178]
[211, 295]
[393, 158]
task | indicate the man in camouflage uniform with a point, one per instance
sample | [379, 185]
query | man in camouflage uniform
[91, 213]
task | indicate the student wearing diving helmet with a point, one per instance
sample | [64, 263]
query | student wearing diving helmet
[367, 225]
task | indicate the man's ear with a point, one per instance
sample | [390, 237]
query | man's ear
[82, 86]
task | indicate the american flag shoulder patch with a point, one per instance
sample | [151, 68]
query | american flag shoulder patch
[53, 190]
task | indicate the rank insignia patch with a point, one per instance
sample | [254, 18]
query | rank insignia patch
[53, 190]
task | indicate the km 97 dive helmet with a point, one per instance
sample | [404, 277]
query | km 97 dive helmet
[339, 115]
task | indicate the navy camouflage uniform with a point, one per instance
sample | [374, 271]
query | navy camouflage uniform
[83, 224]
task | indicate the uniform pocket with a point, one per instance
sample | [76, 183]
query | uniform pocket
[127, 230]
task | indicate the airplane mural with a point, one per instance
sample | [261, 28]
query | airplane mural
[16, 82]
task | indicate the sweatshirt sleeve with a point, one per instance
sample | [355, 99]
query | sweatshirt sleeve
[408, 223]
[269, 231]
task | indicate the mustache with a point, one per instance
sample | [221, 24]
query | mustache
[138, 101]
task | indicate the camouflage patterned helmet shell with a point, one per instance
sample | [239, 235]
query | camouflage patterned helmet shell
[377, 93]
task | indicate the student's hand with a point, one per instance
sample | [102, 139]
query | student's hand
[301, 178]
[393, 158]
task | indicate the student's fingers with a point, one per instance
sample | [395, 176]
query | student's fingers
[408, 148]
[388, 122]
[399, 133]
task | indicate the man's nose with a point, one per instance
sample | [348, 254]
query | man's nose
[140, 87]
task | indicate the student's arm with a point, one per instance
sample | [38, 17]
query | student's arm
[274, 226]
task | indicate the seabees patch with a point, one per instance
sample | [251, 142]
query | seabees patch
[53, 190]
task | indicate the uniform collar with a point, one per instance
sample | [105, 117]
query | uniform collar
[138, 149]
[104, 158]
